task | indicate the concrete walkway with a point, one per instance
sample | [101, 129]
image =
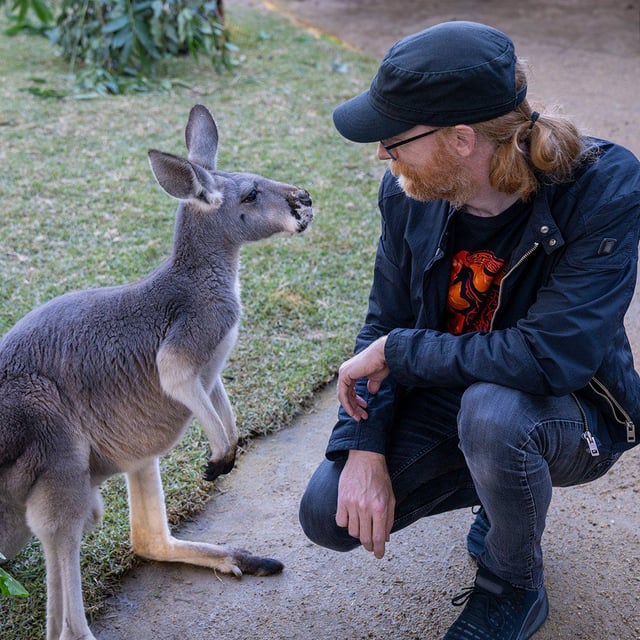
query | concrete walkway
[585, 54]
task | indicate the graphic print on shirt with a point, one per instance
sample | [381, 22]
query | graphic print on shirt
[473, 290]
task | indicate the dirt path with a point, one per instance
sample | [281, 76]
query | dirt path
[587, 53]
[327, 596]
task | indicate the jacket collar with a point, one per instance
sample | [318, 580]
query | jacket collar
[542, 227]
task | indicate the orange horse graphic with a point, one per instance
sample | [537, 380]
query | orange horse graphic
[473, 290]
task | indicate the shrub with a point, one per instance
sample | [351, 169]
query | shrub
[19, 13]
[116, 45]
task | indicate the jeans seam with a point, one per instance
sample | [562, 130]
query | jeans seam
[532, 515]
[530, 502]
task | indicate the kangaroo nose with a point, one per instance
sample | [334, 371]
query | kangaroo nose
[304, 198]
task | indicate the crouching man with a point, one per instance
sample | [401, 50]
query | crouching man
[493, 363]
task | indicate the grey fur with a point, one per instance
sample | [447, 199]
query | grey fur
[104, 381]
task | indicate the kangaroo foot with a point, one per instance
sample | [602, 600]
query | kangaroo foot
[256, 565]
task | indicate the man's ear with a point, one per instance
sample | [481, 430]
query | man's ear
[464, 139]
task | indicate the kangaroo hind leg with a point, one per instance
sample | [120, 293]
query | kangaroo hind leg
[59, 509]
[151, 539]
[14, 532]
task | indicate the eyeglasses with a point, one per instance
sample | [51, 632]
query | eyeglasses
[388, 147]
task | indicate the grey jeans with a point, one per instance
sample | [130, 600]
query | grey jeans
[488, 445]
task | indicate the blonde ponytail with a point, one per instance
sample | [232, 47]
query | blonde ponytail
[530, 147]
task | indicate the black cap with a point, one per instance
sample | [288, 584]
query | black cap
[452, 73]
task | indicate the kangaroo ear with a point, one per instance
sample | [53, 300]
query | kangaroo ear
[201, 136]
[181, 179]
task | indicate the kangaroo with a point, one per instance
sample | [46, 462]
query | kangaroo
[104, 381]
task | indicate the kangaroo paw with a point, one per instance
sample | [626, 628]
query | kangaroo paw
[217, 468]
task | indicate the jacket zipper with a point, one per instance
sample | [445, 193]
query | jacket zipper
[621, 416]
[591, 441]
[601, 390]
[525, 256]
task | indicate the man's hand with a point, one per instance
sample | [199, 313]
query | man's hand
[370, 364]
[366, 503]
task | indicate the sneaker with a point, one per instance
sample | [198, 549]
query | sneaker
[477, 533]
[496, 610]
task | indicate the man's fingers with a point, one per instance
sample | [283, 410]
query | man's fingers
[352, 403]
[365, 500]
[342, 516]
[380, 536]
[349, 520]
[370, 364]
[365, 534]
[372, 534]
[373, 386]
[391, 512]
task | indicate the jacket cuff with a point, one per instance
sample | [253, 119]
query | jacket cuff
[366, 435]
[394, 353]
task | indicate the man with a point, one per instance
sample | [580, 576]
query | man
[493, 363]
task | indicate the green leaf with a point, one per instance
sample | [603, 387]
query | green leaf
[123, 37]
[46, 92]
[125, 53]
[116, 24]
[23, 9]
[10, 586]
[142, 33]
[139, 7]
[43, 11]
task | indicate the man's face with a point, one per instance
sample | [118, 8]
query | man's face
[438, 175]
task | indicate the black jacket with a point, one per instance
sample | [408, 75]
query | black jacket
[558, 328]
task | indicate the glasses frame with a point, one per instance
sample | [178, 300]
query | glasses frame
[388, 147]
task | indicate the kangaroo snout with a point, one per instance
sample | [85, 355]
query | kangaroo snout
[304, 198]
[300, 203]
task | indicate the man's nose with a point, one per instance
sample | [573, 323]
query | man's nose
[383, 154]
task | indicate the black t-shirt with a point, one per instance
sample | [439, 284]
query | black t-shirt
[481, 250]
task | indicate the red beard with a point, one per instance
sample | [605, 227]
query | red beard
[442, 179]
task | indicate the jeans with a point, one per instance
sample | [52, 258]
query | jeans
[488, 445]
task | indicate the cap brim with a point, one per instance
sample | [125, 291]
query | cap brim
[358, 121]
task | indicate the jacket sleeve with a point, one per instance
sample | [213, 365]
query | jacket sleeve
[561, 342]
[389, 307]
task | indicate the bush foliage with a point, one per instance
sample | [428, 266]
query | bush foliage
[116, 45]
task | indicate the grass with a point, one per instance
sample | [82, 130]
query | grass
[80, 209]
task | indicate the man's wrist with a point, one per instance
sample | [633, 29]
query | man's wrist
[363, 455]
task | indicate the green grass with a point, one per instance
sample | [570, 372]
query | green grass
[79, 208]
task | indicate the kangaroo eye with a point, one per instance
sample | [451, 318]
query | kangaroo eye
[251, 196]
